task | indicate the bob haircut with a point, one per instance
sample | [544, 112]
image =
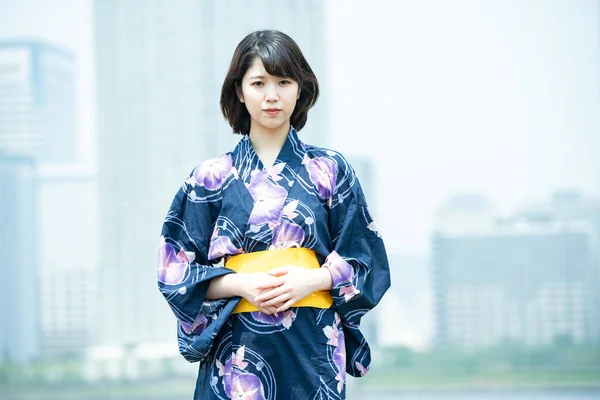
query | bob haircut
[280, 56]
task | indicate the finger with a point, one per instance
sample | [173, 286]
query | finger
[286, 306]
[271, 294]
[277, 300]
[269, 283]
[263, 291]
[279, 271]
[268, 310]
[265, 295]
[265, 311]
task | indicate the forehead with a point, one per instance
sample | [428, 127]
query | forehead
[255, 69]
[258, 69]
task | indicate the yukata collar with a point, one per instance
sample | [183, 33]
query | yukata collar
[292, 153]
[264, 191]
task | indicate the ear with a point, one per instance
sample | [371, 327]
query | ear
[239, 93]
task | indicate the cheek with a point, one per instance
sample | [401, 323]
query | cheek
[251, 101]
[294, 104]
[292, 99]
[295, 97]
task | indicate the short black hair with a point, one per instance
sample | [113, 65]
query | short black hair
[280, 56]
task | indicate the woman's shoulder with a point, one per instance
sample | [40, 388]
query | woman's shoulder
[342, 164]
[210, 173]
[224, 159]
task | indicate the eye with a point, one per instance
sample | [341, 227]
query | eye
[256, 83]
[285, 82]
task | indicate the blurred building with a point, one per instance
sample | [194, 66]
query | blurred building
[20, 331]
[160, 67]
[405, 315]
[531, 278]
[68, 310]
[68, 237]
[37, 101]
[37, 125]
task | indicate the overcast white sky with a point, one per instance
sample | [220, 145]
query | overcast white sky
[497, 97]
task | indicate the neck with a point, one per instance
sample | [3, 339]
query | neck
[267, 144]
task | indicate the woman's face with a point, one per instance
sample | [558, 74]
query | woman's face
[270, 100]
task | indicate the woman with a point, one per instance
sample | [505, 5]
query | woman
[303, 260]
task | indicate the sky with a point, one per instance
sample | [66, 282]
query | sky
[500, 98]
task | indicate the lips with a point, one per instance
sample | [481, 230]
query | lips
[272, 111]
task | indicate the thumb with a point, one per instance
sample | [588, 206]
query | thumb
[279, 271]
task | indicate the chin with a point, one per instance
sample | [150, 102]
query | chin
[274, 126]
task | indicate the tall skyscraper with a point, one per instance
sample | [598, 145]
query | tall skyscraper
[531, 278]
[160, 66]
[68, 310]
[37, 101]
[20, 331]
[68, 238]
[36, 124]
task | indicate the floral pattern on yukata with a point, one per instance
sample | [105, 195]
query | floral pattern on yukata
[232, 204]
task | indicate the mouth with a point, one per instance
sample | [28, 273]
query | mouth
[272, 111]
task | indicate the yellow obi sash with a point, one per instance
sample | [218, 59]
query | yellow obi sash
[264, 261]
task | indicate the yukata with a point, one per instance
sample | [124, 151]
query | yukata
[232, 204]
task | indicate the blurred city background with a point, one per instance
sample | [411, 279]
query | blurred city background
[474, 128]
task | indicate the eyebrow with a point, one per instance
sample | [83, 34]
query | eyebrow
[263, 77]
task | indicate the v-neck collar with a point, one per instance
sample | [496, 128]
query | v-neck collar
[264, 190]
[247, 161]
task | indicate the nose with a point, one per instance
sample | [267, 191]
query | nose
[271, 95]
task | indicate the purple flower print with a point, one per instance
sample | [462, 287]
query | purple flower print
[275, 171]
[363, 370]
[237, 358]
[245, 385]
[336, 339]
[172, 267]
[341, 271]
[268, 200]
[332, 334]
[290, 209]
[221, 246]
[287, 234]
[286, 318]
[212, 173]
[197, 327]
[272, 319]
[339, 359]
[342, 275]
[238, 383]
[348, 292]
[323, 173]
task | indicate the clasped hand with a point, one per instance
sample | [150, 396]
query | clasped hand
[280, 288]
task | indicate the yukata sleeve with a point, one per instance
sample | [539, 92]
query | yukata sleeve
[184, 272]
[358, 263]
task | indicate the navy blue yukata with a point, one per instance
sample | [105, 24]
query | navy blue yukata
[232, 204]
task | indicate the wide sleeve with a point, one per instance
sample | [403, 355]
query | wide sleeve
[358, 263]
[184, 272]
